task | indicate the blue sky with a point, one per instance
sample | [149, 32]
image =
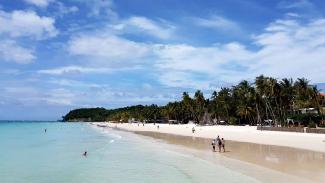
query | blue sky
[57, 55]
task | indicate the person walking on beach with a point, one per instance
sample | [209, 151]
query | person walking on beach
[218, 139]
[223, 144]
[193, 129]
[213, 143]
[219, 143]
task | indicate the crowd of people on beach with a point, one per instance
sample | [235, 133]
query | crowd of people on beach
[220, 142]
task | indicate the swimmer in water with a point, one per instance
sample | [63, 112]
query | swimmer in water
[85, 153]
[45, 130]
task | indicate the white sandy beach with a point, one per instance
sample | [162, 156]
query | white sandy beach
[308, 141]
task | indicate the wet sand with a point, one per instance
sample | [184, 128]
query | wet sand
[250, 134]
[299, 163]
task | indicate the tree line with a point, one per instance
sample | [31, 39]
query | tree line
[253, 103]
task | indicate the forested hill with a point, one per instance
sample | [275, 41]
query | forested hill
[87, 114]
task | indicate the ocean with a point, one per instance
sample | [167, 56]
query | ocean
[29, 155]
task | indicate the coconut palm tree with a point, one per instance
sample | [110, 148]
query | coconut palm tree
[224, 101]
[286, 97]
[302, 95]
[199, 106]
[244, 95]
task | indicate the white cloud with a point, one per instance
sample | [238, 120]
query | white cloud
[306, 8]
[73, 83]
[296, 4]
[199, 67]
[217, 22]
[34, 96]
[199, 59]
[62, 9]
[101, 7]
[10, 51]
[285, 48]
[39, 3]
[27, 23]
[143, 25]
[292, 49]
[68, 70]
[107, 47]
[292, 15]
[60, 96]
[73, 70]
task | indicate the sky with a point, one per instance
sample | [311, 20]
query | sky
[58, 55]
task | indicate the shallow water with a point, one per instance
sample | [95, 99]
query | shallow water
[29, 155]
[301, 163]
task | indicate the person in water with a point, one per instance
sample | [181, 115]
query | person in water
[85, 153]
[223, 144]
[213, 143]
[45, 130]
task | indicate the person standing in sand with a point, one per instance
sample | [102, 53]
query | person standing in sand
[218, 139]
[223, 144]
[219, 143]
[213, 143]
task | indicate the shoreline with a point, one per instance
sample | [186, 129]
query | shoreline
[292, 161]
[249, 134]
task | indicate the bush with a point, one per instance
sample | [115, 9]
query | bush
[312, 125]
[233, 121]
[322, 125]
[306, 119]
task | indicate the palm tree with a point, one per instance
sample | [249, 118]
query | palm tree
[315, 98]
[188, 104]
[287, 96]
[301, 93]
[244, 94]
[199, 104]
[268, 91]
[224, 101]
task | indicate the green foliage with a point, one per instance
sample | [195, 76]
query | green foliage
[306, 119]
[245, 103]
[87, 114]
[322, 125]
[233, 121]
[138, 112]
[312, 125]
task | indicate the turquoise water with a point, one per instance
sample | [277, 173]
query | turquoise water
[28, 155]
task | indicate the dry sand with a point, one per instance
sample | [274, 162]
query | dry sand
[308, 141]
[300, 156]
